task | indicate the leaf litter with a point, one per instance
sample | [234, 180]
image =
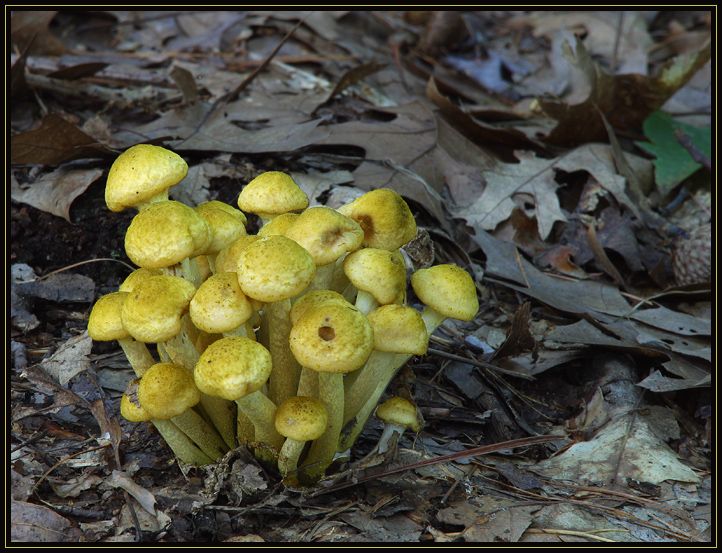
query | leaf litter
[569, 228]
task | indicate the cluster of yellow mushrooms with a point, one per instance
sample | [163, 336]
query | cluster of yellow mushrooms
[284, 341]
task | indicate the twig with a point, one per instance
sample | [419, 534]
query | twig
[78, 264]
[65, 460]
[573, 533]
[475, 362]
[233, 94]
[473, 452]
[698, 155]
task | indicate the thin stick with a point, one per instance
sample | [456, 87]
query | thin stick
[78, 264]
[571, 533]
[477, 363]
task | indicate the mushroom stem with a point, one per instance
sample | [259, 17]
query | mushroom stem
[360, 385]
[321, 454]
[190, 271]
[182, 446]
[365, 302]
[432, 319]
[289, 455]
[137, 354]
[308, 383]
[323, 278]
[261, 411]
[286, 371]
[386, 436]
[203, 434]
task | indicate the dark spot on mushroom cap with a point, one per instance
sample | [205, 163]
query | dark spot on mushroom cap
[326, 333]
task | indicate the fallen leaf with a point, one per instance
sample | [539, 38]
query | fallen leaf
[55, 192]
[625, 100]
[55, 141]
[36, 523]
[507, 525]
[530, 184]
[29, 28]
[627, 447]
[70, 358]
[75, 486]
[673, 163]
[119, 479]
[619, 36]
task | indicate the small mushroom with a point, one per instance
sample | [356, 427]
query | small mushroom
[168, 392]
[378, 275]
[270, 194]
[398, 414]
[299, 420]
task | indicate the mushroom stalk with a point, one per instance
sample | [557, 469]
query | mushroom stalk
[321, 454]
[204, 435]
[308, 383]
[261, 411]
[137, 354]
[286, 371]
[365, 302]
[182, 446]
[390, 430]
[289, 455]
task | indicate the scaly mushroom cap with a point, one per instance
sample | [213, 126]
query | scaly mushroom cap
[219, 305]
[130, 407]
[227, 258]
[301, 418]
[137, 276]
[278, 225]
[271, 194]
[225, 222]
[232, 368]
[447, 289]
[152, 311]
[333, 337]
[164, 234]
[105, 323]
[381, 273]
[167, 390]
[274, 268]
[385, 218]
[399, 411]
[140, 173]
[399, 329]
[325, 234]
[313, 299]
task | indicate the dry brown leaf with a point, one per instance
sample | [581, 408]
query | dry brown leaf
[55, 192]
[55, 141]
[70, 359]
[119, 479]
[529, 185]
[36, 523]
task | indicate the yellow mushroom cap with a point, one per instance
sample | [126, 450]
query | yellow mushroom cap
[167, 390]
[140, 173]
[278, 225]
[274, 268]
[313, 299]
[332, 337]
[399, 329]
[164, 234]
[130, 407]
[381, 273]
[227, 258]
[232, 368]
[219, 305]
[152, 311]
[399, 411]
[301, 418]
[104, 322]
[137, 276]
[272, 193]
[385, 218]
[326, 234]
[225, 222]
[447, 289]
